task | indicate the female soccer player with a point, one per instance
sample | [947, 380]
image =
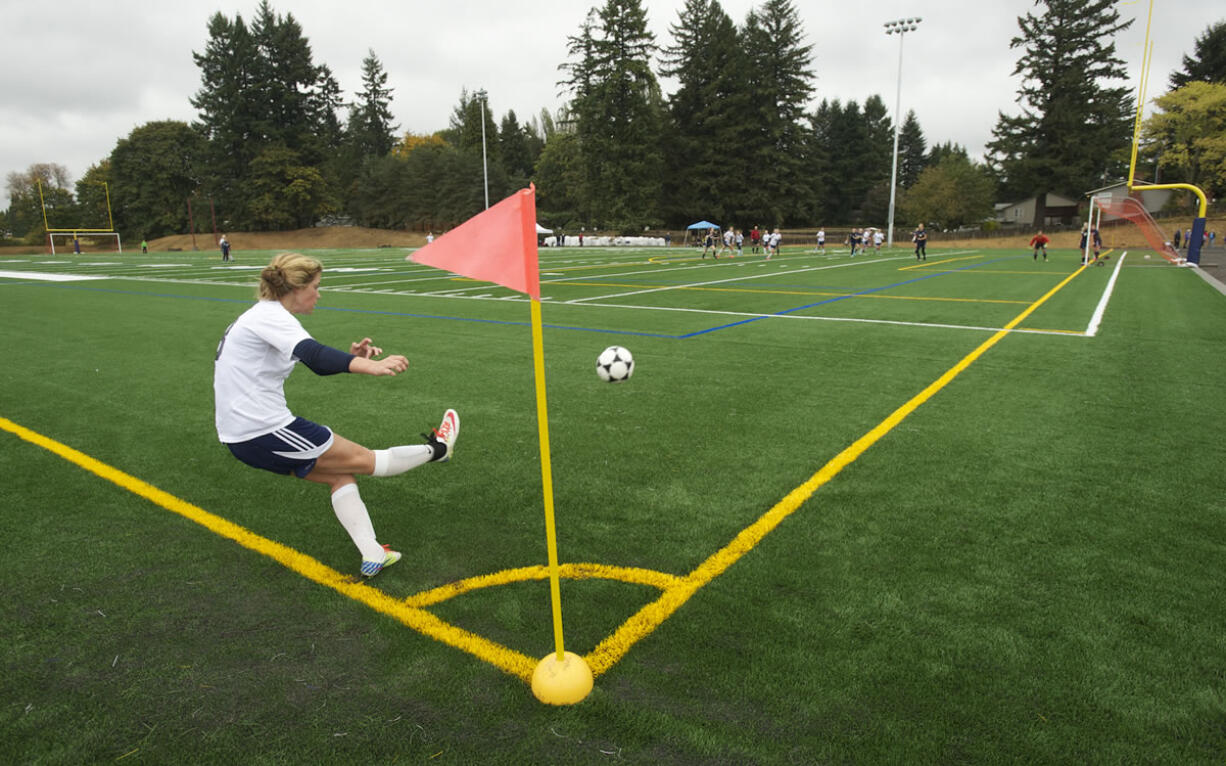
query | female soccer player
[256, 355]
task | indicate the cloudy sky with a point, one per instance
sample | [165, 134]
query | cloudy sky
[77, 75]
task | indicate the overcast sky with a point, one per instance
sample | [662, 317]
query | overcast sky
[78, 75]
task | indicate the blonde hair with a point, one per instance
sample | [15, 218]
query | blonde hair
[287, 272]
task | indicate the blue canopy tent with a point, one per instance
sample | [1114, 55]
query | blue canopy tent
[702, 227]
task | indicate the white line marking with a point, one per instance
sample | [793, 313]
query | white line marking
[1096, 320]
[44, 277]
[738, 278]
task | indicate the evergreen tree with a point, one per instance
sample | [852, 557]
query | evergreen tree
[940, 151]
[370, 119]
[229, 111]
[712, 117]
[619, 116]
[876, 162]
[1208, 61]
[912, 151]
[469, 119]
[515, 150]
[781, 84]
[1073, 127]
[261, 88]
[847, 142]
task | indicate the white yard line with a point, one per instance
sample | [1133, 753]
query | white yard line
[1097, 318]
[738, 278]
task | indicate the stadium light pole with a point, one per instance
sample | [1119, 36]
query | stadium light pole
[898, 27]
[485, 171]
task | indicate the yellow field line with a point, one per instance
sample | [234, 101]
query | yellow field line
[925, 264]
[508, 660]
[632, 575]
[610, 650]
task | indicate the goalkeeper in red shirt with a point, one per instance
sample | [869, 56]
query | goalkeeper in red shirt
[1039, 243]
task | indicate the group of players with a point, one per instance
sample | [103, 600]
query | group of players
[734, 243]
[859, 241]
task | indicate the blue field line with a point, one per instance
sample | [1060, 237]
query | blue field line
[839, 298]
[249, 301]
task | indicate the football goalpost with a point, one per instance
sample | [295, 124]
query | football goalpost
[1198, 224]
[73, 235]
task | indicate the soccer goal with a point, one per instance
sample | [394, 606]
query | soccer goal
[1132, 210]
[80, 242]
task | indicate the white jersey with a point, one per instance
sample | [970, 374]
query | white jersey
[254, 358]
[877, 238]
[821, 237]
[775, 237]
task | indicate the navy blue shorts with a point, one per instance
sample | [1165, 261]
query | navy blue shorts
[293, 449]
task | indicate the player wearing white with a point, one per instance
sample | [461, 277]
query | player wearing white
[729, 234]
[878, 238]
[256, 355]
[821, 241]
[773, 248]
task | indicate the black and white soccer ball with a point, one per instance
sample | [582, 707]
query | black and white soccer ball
[615, 364]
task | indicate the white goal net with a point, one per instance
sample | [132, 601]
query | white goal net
[64, 242]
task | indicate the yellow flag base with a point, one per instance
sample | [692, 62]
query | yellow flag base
[562, 682]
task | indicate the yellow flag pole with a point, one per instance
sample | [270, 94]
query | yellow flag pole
[542, 420]
[562, 677]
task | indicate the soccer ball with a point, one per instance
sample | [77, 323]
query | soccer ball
[614, 364]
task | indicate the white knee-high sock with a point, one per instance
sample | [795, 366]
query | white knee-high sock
[351, 512]
[396, 460]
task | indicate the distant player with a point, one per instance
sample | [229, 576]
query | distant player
[1039, 243]
[821, 241]
[920, 238]
[740, 242]
[877, 239]
[772, 247]
[755, 238]
[729, 237]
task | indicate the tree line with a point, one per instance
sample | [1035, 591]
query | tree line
[737, 142]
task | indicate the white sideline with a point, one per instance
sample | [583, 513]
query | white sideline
[1097, 318]
[45, 277]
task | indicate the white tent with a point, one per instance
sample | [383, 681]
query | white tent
[542, 230]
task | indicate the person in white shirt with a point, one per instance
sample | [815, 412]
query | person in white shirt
[728, 237]
[821, 241]
[256, 355]
[773, 248]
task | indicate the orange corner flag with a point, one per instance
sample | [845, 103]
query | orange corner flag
[498, 245]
